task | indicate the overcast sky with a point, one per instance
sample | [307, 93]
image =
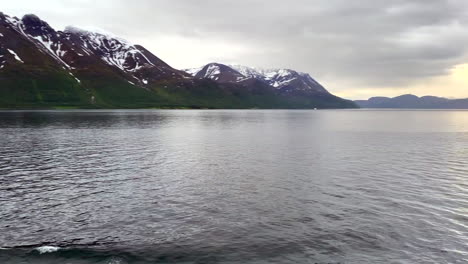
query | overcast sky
[356, 48]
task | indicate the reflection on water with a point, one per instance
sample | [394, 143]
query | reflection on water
[240, 186]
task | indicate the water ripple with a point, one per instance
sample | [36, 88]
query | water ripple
[233, 187]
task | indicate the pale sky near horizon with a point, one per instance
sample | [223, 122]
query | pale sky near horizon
[356, 49]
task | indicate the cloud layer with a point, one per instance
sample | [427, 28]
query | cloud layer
[367, 43]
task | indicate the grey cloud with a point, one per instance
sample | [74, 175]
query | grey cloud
[369, 42]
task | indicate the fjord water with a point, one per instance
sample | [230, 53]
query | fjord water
[240, 186]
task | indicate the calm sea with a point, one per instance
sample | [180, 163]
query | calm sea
[240, 186]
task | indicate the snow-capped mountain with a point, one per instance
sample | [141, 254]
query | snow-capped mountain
[42, 67]
[134, 60]
[75, 48]
[217, 72]
[285, 80]
[114, 51]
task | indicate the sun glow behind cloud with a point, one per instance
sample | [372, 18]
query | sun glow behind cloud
[452, 85]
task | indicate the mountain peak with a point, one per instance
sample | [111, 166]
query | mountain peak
[35, 26]
[407, 96]
[32, 18]
[89, 30]
[74, 29]
[218, 72]
[95, 33]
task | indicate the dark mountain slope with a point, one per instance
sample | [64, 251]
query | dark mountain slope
[29, 76]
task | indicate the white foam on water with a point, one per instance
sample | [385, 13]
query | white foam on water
[47, 249]
[116, 260]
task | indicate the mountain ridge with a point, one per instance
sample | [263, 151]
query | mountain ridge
[278, 78]
[41, 67]
[411, 101]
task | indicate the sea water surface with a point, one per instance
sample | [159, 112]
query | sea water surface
[233, 186]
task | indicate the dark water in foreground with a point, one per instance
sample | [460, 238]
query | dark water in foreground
[234, 187]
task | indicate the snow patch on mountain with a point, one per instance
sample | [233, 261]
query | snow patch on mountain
[193, 71]
[212, 72]
[12, 20]
[53, 48]
[77, 80]
[248, 72]
[15, 55]
[93, 30]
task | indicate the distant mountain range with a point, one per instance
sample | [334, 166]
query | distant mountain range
[413, 102]
[44, 68]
